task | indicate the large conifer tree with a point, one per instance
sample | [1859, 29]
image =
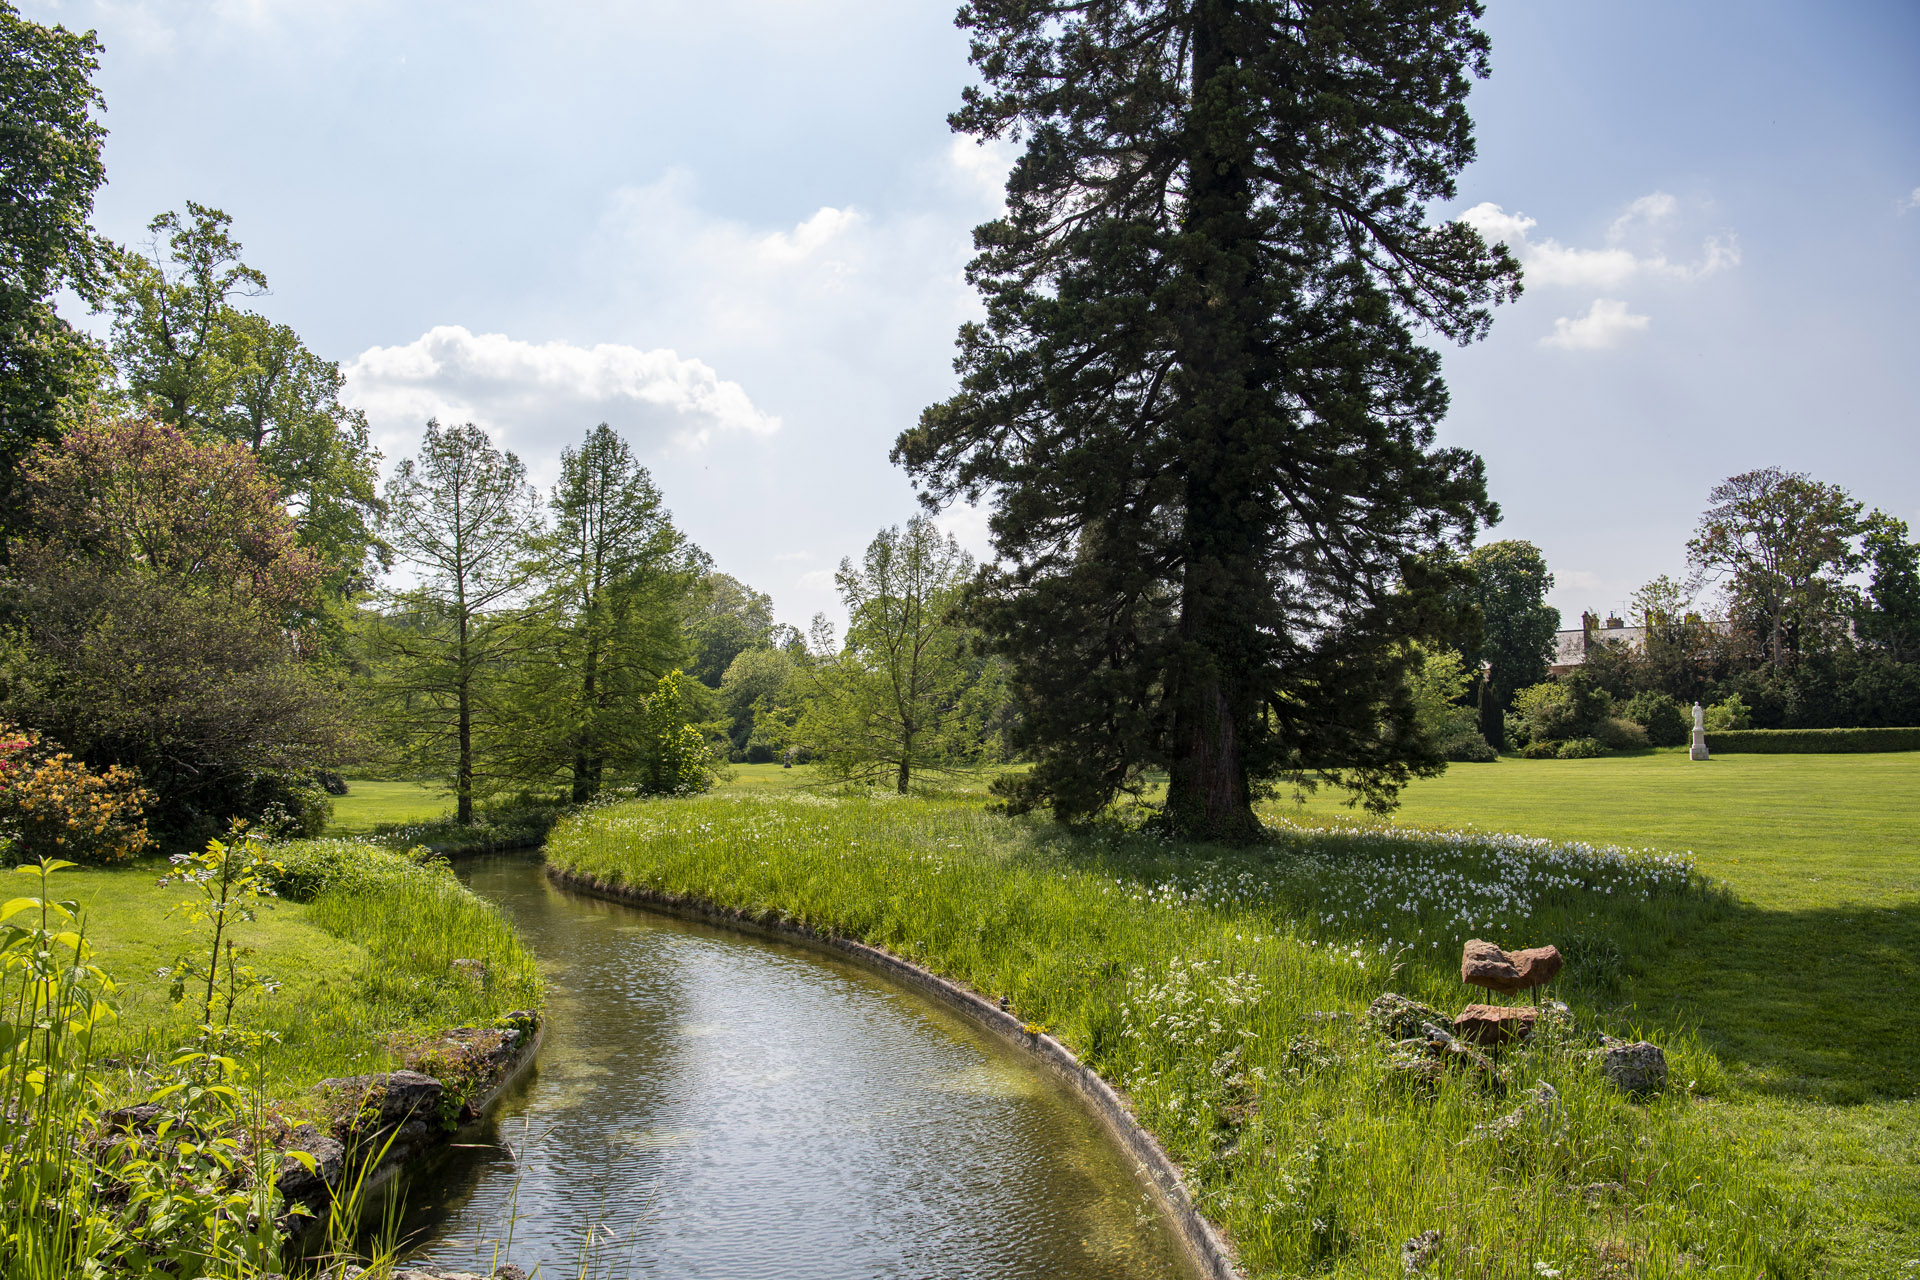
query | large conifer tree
[1197, 402]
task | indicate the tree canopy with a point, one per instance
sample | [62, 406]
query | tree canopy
[50, 168]
[1198, 404]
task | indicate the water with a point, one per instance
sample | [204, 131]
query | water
[709, 1105]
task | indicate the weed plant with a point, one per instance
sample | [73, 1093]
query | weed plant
[1222, 988]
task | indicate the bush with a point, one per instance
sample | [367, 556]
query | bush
[1811, 741]
[54, 807]
[1730, 713]
[1617, 734]
[1580, 749]
[1540, 751]
[1666, 722]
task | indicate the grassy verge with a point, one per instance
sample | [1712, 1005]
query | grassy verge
[1220, 988]
[371, 803]
[363, 964]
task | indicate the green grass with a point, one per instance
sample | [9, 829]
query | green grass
[371, 803]
[363, 966]
[1218, 986]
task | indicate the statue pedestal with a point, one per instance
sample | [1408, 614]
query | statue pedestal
[1699, 751]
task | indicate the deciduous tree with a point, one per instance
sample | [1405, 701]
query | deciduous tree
[50, 168]
[462, 518]
[890, 703]
[1197, 401]
[185, 346]
[1783, 545]
[1517, 625]
[168, 616]
[613, 575]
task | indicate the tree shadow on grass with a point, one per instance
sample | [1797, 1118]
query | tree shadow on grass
[1813, 1004]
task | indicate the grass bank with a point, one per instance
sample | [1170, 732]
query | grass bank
[1220, 989]
[360, 947]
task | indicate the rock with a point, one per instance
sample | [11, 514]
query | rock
[1417, 1252]
[1495, 1024]
[1542, 1103]
[313, 1188]
[382, 1101]
[474, 969]
[1399, 1018]
[1482, 964]
[140, 1119]
[1639, 1068]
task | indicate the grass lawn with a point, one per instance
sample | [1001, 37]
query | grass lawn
[1801, 984]
[371, 803]
[364, 963]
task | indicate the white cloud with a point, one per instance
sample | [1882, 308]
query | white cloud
[533, 397]
[1911, 202]
[1634, 248]
[967, 525]
[1607, 323]
[982, 167]
[816, 580]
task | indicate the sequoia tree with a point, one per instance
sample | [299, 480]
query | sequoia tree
[1197, 402]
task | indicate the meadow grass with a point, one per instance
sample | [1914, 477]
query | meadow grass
[1221, 987]
[362, 967]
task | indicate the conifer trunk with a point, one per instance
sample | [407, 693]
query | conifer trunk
[1207, 790]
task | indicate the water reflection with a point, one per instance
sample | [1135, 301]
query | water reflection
[709, 1105]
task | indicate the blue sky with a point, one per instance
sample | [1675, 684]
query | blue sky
[735, 230]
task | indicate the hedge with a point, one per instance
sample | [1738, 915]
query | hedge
[1812, 741]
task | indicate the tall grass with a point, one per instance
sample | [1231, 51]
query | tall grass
[1220, 988]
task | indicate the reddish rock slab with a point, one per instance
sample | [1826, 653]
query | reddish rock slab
[1495, 1024]
[1482, 964]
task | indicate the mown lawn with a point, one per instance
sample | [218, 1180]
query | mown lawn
[361, 967]
[371, 803]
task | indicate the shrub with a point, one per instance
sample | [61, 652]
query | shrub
[1580, 749]
[1666, 722]
[1730, 713]
[55, 807]
[1618, 734]
[1540, 751]
[1812, 741]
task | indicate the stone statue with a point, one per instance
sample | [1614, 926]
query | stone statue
[1699, 751]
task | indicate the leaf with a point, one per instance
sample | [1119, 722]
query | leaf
[16, 905]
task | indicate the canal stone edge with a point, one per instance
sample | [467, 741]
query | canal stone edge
[1205, 1248]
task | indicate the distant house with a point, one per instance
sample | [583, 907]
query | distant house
[1570, 647]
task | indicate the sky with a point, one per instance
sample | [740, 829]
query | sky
[736, 230]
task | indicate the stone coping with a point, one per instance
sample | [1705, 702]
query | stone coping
[1207, 1252]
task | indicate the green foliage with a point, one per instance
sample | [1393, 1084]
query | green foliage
[1783, 544]
[1559, 710]
[892, 702]
[1667, 724]
[756, 681]
[1616, 733]
[50, 168]
[1197, 402]
[726, 617]
[674, 758]
[218, 372]
[1812, 741]
[1220, 989]
[227, 878]
[1890, 617]
[612, 575]
[461, 516]
[1438, 684]
[1517, 625]
[1728, 713]
[168, 624]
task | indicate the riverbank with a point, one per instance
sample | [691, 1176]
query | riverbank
[1221, 990]
[358, 948]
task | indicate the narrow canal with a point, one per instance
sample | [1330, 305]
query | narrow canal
[710, 1105]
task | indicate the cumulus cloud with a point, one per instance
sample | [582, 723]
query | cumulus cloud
[535, 396]
[1607, 323]
[1911, 202]
[1634, 247]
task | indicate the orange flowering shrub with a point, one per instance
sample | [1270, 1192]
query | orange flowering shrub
[53, 806]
